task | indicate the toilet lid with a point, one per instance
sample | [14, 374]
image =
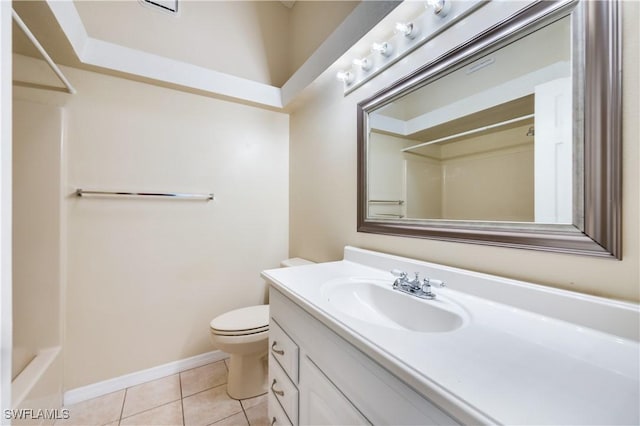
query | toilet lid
[250, 320]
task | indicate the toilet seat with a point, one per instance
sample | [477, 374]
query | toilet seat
[242, 322]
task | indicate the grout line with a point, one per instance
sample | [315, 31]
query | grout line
[153, 408]
[181, 397]
[224, 418]
[245, 416]
[208, 389]
[122, 408]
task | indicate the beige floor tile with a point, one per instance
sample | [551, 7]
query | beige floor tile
[236, 420]
[252, 402]
[169, 414]
[203, 378]
[152, 394]
[258, 415]
[95, 412]
[210, 406]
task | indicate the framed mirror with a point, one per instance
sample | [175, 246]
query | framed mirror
[512, 139]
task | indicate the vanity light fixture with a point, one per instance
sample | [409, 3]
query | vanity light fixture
[436, 16]
[407, 29]
[345, 76]
[385, 49]
[363, 63]
[440, 7]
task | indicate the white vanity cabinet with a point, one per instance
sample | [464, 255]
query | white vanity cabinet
[317, 377]
[486, 350]
[321, 403]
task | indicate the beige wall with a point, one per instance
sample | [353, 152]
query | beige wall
[146, 275]
[311, 23]
[505, 161]
[323, 188]
[36, 230]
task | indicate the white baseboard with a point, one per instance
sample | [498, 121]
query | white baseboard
[94, 390]
[33, 374]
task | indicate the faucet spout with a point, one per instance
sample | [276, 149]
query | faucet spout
[415, 287]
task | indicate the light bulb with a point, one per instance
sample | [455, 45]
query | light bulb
[384, 49]
[363, 63]
[440, 7]
[345, 76]
[407, 29]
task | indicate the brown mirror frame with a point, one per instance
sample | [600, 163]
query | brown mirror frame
[597, 231]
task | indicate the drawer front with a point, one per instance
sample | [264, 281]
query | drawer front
[284, 350]
[283, 389]
[277, 416]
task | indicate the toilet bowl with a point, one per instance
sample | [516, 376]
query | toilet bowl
[244, 334]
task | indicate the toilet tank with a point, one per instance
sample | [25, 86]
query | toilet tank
[295, 261]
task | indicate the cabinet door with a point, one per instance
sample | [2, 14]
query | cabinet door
[321, 403]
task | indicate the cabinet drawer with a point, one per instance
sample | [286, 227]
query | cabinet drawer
[283, 389]
[284, 350]
[277, 417]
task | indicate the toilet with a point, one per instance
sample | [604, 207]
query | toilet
[244, 334]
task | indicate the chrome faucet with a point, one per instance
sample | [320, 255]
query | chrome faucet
[415, 287]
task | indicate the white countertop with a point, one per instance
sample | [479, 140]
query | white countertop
[506, 365]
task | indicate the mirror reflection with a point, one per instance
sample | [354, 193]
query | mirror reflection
[490, 141]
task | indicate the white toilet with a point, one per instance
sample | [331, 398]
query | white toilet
[244, 334]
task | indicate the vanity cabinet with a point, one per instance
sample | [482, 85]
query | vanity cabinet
[317, 377]
[321, 403]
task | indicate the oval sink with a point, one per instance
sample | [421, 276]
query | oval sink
[375, 302]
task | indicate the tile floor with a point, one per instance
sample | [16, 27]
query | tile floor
[193, 397]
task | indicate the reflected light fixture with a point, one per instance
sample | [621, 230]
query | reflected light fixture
[407, 29]
[384, 49]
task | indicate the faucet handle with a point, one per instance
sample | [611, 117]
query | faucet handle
[435, 283]
[427, 283]
[398, 273]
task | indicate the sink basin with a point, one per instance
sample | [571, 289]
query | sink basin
[374, 301]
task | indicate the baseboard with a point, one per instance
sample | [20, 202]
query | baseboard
[33, 374]
[94, 390]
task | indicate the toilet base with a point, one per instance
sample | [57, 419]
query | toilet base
[247, 375]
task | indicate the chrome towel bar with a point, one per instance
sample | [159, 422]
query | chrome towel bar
[399, 202]
[207, 197]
